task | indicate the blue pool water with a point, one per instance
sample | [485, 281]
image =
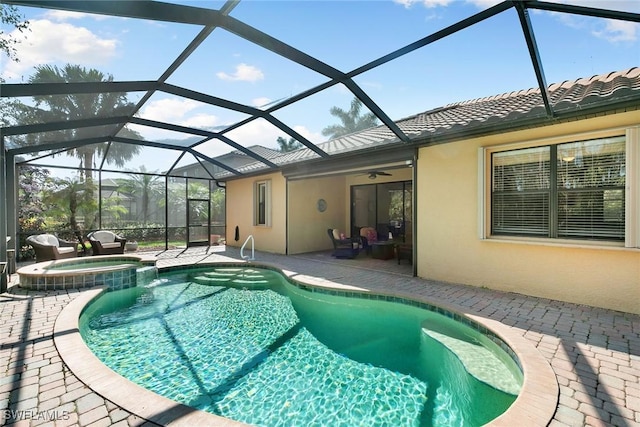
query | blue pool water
[247, 345]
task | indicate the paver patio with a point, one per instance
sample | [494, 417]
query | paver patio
[595, 353]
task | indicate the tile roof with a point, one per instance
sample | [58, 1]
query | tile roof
[506, 111]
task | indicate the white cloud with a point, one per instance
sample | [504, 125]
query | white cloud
[611, 30]
[48, 42]
[618, 31]
[316, 138]
[260, 102]
[173, 110]
[168, 109]
[427, 3]
[244, 72]
[64, 15]
[256, 132]
[201, 121]
[621, 5]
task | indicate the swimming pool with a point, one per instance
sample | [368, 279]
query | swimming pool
[304, 355]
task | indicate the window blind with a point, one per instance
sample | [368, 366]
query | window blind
[590, 186]
[520, 197]
[572, 190]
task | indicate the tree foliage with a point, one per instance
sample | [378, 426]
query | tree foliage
[288, 145]
[70, 200]
[33, 183]
[78, 106]
[351, 121]
[146, 188]
[11, 17]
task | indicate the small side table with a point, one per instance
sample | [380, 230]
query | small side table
[383, 250]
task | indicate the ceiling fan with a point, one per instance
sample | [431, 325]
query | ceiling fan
[375, 174]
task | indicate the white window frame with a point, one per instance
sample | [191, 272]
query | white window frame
[632, 187]
[258, 203]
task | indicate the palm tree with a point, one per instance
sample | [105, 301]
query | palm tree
[146, 187]
[81, 106]
[78, 106]
[69, 199]
[352, 120]
[288, 145]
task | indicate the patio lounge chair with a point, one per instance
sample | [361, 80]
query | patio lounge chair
[344, 247]
[105, 242]
[49, 247]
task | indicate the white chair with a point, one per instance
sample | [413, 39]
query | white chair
[105, 242]
[49, 247]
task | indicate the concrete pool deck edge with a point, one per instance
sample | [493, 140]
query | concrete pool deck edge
[536, 404]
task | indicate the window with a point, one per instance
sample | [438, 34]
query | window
[573, 190]
[262, 203]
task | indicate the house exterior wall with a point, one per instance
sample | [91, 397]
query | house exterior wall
[240, 213]
[449, 247]
[307, 226]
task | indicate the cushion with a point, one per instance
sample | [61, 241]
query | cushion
[336, 234]
[370, 233]
[110, 245]
[66, 249]
[104, 237]
[46, 239]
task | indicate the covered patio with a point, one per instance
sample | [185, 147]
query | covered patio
[593, 352]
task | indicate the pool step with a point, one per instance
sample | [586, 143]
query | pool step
[236, 279]
[479, 362]
[362, 349]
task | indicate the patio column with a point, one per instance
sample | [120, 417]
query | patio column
[3, 216]
[11, 206]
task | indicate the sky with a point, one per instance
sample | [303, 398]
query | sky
[487, 59]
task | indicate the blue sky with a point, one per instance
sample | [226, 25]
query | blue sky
[487, 59]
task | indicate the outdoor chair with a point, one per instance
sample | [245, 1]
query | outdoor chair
[369, 236]
[344, 247]
[105, 242]
[49, 247]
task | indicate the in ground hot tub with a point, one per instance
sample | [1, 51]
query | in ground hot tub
[113, 271]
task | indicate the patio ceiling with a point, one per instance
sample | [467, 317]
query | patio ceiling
[388, 143]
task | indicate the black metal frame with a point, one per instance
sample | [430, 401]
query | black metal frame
[210, 20]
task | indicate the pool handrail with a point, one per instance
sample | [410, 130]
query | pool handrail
[246, 257]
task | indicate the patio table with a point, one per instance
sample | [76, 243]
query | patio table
[383, 250]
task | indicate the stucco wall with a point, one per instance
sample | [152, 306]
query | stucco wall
[449, 248]
[240, 213]
[308, 226]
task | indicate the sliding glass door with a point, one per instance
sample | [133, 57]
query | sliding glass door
[387, 207]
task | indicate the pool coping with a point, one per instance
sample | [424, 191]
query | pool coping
[40, 268]
[535, 405]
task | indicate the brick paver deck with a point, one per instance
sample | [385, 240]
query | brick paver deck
[595, 353]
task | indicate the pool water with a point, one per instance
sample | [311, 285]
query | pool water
[247, 345]
[91, 265]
